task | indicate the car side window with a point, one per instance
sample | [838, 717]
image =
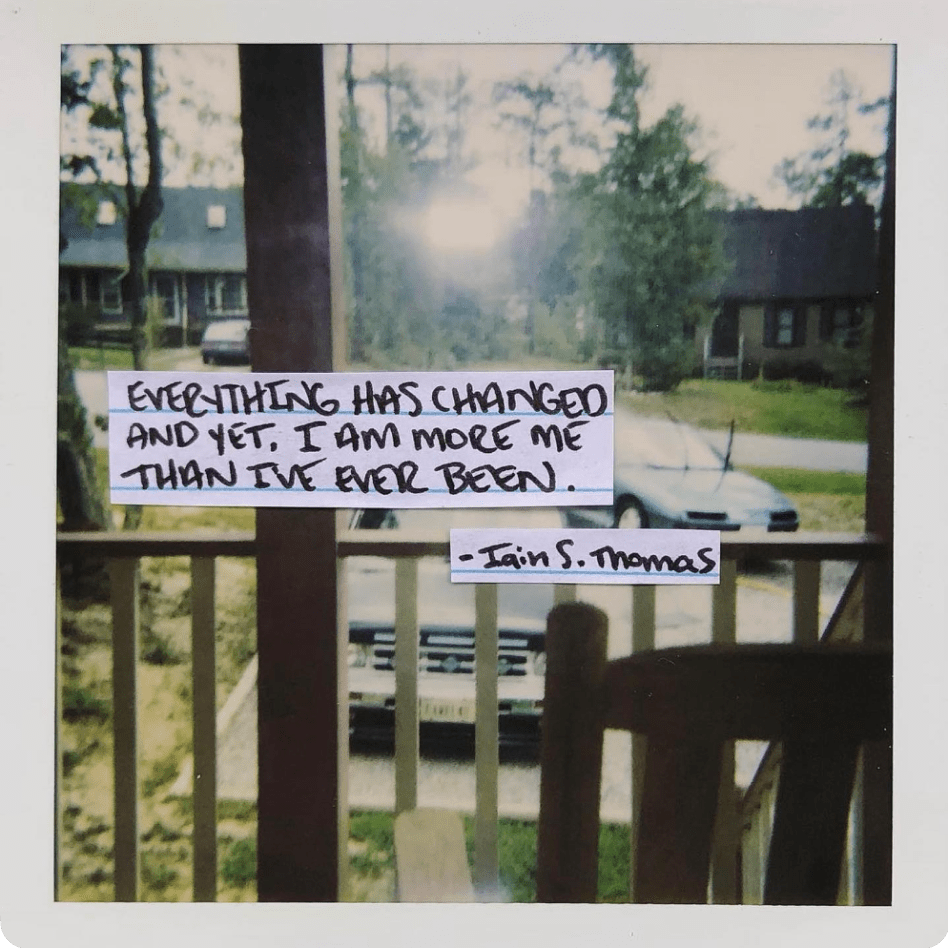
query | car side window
[373, 519]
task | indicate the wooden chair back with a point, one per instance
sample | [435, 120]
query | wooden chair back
[820, 701]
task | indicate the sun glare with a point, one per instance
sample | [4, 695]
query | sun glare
[460, 225]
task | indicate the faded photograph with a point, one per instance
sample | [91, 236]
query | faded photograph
[290, 705]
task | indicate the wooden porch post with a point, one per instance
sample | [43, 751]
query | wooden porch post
[877, 816]
[289, 298]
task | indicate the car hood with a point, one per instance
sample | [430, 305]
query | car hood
[732, 492]
[371, 596]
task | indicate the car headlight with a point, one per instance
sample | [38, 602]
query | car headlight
[359, 654]
[538, 664]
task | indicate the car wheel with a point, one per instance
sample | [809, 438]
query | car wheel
[206, 358]
[630, 515]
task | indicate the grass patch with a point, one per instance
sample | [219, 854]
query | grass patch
[787, 408]
[517, 854]
[100, 357]
[797, 481]
[826, 500]
[103, 358]
[829, 513]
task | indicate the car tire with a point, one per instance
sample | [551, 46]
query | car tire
[631, 515]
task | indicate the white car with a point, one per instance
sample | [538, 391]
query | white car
[446, 681]
[226, 340]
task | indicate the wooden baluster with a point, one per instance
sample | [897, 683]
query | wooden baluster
[642, 638]
[204, 791]
[565, 592]
[407, 684]
[124, 576]
[806, 601]
[486, 739]
[751, 859]
[726, 834]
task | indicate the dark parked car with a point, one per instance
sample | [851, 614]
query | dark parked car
[446, 613]
[226, 340]
[667, 475]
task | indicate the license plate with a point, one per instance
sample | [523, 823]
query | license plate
[450, 712]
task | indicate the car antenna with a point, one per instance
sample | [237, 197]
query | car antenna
[726, 459]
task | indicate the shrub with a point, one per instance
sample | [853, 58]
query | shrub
[239, 867]
[157, 650]
[662, 368]
[80, 703]
[77, 323]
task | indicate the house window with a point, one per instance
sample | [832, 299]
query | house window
[105, 215]
[217, 216]
[841, 324]
[784, 325]
[225, 293]
[110, 293]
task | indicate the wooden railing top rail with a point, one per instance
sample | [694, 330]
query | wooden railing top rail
[783, 546]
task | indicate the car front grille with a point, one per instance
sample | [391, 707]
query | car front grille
[453, 653]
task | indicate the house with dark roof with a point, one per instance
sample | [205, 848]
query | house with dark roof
[196, 259]
[799, 286]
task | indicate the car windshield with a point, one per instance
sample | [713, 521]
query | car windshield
[669, 445]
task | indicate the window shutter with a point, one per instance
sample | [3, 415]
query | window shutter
[769, 328]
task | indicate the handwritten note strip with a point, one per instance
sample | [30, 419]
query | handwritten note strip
[381, 439]
[660, 557]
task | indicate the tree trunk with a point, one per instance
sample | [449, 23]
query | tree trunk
[81, 502]
[142, 212]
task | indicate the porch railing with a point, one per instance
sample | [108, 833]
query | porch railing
[736, 830]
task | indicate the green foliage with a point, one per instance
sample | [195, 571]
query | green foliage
[80, 703]
[375, 850]
[650, 252]
[157, 875]
[394, 301]
[158, 650]
[239, 866]
[831, 174]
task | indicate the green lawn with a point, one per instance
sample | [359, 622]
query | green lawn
[826, 500]
[779, 408]
[103, 358]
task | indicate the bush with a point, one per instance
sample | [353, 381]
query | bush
[77, 323]
[662, 368]
[80, 703]
[158, 650]
[808, 371]
[239, 867]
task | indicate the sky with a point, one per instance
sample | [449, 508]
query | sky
[751, 102]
